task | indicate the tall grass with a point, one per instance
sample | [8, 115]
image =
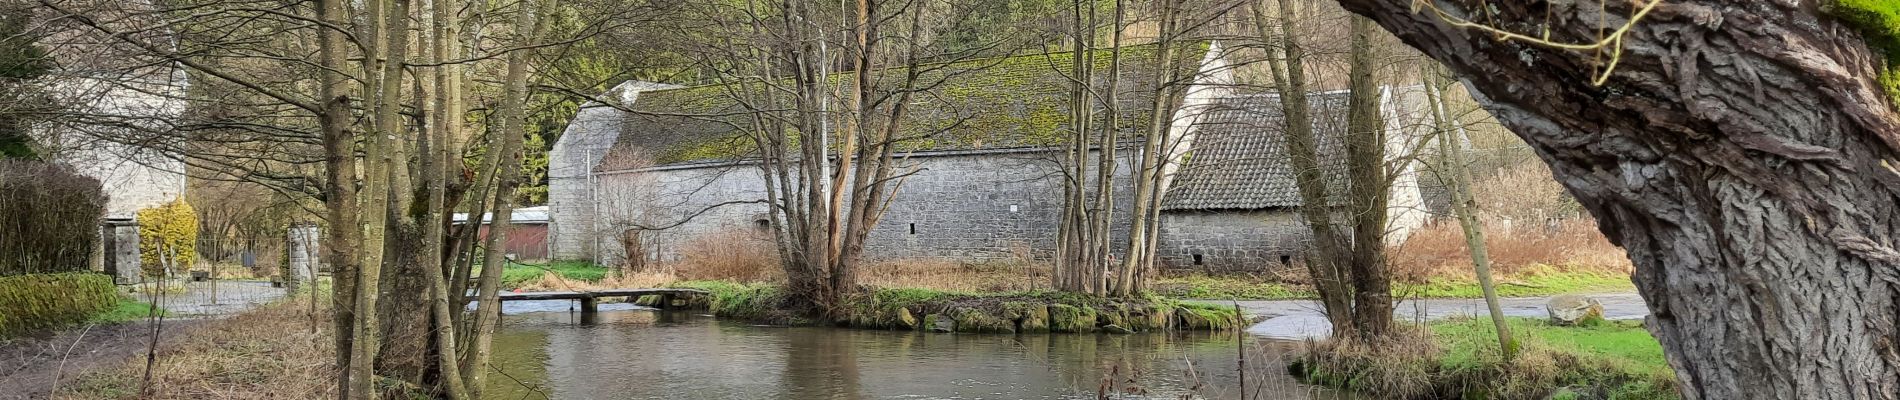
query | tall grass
[1459, 359]
[1574, 245]
[273, 352]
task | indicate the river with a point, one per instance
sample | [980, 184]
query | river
[625, 352]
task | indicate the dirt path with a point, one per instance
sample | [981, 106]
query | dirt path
[31, 368]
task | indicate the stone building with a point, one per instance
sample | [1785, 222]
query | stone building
[983, 185]
[117, 104]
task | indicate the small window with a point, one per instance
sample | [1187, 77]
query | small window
[1197, 259]
[762, 224]
[913, 229]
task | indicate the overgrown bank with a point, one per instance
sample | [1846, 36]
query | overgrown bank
[1459, 359]
[941, 311]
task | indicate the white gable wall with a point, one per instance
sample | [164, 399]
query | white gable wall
[571, 200]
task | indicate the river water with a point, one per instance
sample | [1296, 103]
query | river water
[544, 350]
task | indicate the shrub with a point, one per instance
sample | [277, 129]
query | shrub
[738, 256]
[36, 302]
[50, 217]
[169, 231]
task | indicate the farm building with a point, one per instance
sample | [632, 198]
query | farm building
[984, 186]
[527, 232]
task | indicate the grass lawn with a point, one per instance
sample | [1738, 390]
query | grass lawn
[1625, 345]
[128, 310]
[1531, 285]
[518, 274]
[1608, 360]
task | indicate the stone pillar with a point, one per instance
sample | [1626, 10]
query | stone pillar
[121, 250]
[301, 265]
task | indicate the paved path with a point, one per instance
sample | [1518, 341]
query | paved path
[1300, 319]
[215, 297]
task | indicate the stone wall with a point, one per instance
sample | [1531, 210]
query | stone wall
[1222, 241]
[965, 206]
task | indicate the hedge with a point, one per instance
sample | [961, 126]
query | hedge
[49, 218]
[36, 302]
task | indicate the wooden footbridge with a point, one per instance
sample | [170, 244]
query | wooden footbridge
[590, 300]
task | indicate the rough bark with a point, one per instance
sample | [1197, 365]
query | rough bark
[1369, 192]
[1327, 258]
[1740, 152]
[508, 176]
[339, 144]
[433, 148]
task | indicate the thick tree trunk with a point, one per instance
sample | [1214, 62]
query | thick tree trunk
[1327, 260]
[1369, 191]
[1743, 156]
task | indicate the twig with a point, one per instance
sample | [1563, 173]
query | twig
[61, 372]
[524, 385]
[1240, 347]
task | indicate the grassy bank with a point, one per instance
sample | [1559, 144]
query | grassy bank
[1460, 359]
[127, 310]
[517, 274]
[970, 312]
[1523, 285]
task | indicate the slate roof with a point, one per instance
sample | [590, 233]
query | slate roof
[1238, 158]
[1005, 102]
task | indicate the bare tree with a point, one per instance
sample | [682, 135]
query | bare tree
[1455, 171]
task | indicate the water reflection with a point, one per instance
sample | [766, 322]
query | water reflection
[646, 354]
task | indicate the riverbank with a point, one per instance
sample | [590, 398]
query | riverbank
[1459, 358]
[1528, 281]
[965, 312]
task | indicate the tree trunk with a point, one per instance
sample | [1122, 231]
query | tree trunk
[1741, 152]
[339, 144]
[508, 173]
[1327, 258]
[1369, 192]
[1454, 169]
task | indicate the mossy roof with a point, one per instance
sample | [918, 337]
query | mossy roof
[992, 103]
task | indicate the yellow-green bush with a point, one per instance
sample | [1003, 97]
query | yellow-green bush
[35, 302]
[168, 231]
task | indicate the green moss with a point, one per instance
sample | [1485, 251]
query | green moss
[36, 302]
[1206, 317]
[1879, 21]
[1072, 319]
[756, 302]
[973, 320]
